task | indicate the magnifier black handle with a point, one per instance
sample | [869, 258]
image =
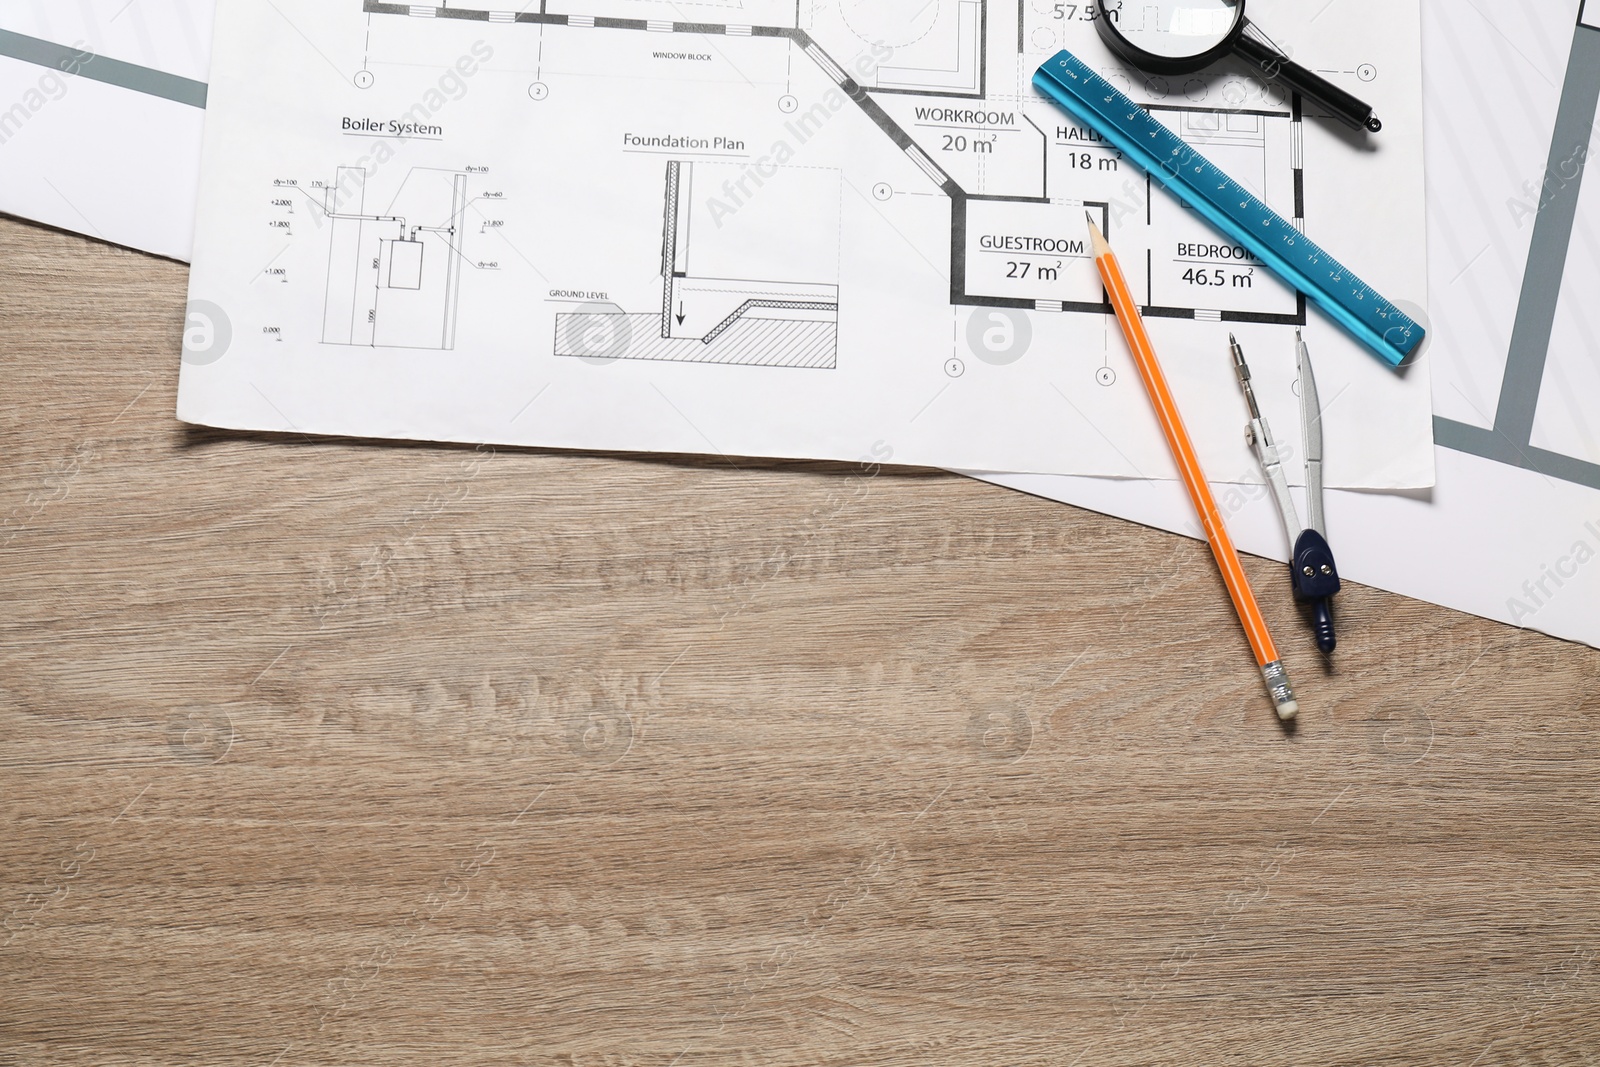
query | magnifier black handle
[1275, 66]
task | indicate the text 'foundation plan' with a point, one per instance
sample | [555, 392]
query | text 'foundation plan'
[835, 229]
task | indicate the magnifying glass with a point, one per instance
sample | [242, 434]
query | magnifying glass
[1186, 36]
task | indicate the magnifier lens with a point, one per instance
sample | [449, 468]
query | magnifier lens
[1174, 29]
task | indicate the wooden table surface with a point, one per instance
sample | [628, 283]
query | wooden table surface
[328, 753]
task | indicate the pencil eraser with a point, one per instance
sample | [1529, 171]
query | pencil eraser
[1288, 710]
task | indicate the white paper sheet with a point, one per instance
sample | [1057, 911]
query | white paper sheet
[638, 225]
[1512, 532]
[101, 109]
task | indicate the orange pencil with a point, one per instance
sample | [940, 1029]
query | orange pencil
[1144, 354]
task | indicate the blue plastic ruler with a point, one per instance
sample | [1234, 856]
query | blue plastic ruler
[1183, 171]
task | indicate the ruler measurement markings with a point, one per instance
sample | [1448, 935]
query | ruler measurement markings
[1393, 334]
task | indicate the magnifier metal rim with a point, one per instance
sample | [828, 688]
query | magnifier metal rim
[1154, 64]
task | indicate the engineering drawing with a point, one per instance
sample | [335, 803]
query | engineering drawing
[393, 282]
[938, 99]
[724, 320]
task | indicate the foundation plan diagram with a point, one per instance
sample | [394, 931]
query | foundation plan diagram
[783, 227]
[920, 74]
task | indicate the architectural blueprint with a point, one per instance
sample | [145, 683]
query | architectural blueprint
[811, 228]
[1512, 531]
[101, 105]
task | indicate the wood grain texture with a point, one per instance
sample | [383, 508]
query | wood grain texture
[322, 752]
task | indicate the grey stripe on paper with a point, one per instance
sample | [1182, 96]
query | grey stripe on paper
[85, 64]
[1571, 147]
[1552, 239]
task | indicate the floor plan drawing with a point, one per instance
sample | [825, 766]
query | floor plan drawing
[939, 48]
[1006, 176]
[798, 228]
[393, 282]
[1002, 255]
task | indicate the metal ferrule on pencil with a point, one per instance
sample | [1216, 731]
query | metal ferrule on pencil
[1276, 676]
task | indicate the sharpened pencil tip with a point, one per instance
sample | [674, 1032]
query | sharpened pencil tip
[1102, 247]
[1232, 340]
